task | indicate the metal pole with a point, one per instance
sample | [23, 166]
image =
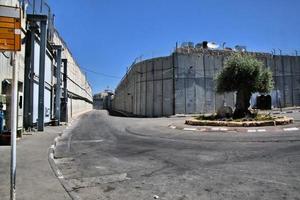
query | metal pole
[65, 61]
[13, 137]
[50, 22]
[184, 84]
[42, 76]
[33, 7]
[204, 85]
[162, 88]
[28, 77]
[41, 6]
[31, 76]
[27, 112]
[58, 81]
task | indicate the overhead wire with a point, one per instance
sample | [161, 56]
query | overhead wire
[99, 73]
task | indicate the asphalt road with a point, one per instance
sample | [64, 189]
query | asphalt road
[108, 157]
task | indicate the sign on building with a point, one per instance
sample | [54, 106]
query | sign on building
[10, 28]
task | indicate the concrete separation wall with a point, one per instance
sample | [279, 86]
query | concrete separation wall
[147, 89]
[184, 83]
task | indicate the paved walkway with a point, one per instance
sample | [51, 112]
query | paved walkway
[35, 178]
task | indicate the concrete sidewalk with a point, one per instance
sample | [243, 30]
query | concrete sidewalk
[35, 178]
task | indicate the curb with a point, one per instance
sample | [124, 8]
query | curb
[234, 129]
[56, 170]
[275, 122]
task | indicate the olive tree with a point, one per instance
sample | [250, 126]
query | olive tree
[244, 75]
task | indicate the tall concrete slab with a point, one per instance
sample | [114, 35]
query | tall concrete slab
[167, 65]
[150, 90]
[190, 95]
[158, 102]
[208, 84]
[199, 84]
[180, 94]
[167, 97]
[287, 62]
[279, 79]
[218, 66]
[167, 86]
[200, 100]
[296, 78]
[143, 89]
[138, 75]
[189, 83]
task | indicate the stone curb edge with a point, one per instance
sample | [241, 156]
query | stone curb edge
[275, 122]
[56, 170]
[235, 129]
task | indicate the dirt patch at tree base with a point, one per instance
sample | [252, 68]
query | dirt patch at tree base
[275, 122]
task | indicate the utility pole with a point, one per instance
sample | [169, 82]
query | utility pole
[65, 78]
[41, 6]
[58, 82]
[13, 14]
[41, 107]
[33, 7]
[13, 137]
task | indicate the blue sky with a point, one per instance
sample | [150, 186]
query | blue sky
[105, 36]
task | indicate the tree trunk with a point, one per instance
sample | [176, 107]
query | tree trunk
[242, 104]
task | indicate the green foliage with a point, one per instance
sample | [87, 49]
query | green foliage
[264, 117]
[254, 117]
[243, 72]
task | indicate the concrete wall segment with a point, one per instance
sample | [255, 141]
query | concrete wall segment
[194, 80]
